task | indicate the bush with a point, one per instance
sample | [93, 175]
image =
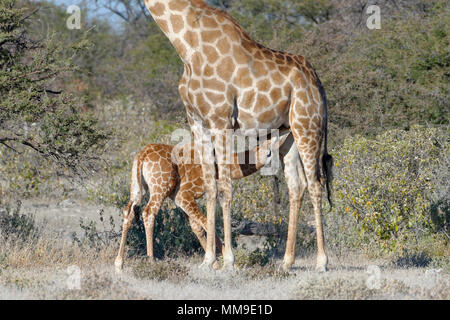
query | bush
[245, 259]
[393, 77]
[32, 115]
[94, 238]
[17, 227]
[387, 190]
[172, 236]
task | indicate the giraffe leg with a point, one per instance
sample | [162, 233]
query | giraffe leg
[315, 191]
[222, 144]
[308, 132]
[311, 167]
[196, 219]
[136, 193]
[296, 182]
[128, 216]
[199, 232]
[149, 216]
[204, 148]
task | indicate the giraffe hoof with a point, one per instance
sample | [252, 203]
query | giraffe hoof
[321, 269]
[207, 266]
[216, 265]
[287, 265]
[322, 262]
[151, 260]
[118, 266]
[227, 268]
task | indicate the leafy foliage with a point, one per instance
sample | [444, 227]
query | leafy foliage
[172, 236]
[402, 75]
[33, 114]
[17, 227]
[389, 186]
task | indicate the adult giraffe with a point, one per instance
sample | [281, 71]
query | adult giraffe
[232, 82]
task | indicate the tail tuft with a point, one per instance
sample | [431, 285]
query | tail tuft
[327, 167]
[327, 159]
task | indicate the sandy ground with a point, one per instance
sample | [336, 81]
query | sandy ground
[63, 217]
[348, 277]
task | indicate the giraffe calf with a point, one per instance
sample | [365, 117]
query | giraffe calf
[155, 172]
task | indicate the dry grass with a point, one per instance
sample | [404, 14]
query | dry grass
[39, 270]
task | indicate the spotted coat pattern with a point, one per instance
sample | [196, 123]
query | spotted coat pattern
[232, 82]
[164, 171]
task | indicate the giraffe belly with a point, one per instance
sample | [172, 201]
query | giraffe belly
[249, 125]
[258, 110]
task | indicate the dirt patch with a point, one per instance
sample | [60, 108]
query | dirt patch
[63, 217]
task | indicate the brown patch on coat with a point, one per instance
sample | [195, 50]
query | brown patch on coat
[194, 84]
[231, 32]
[163, 25]
[240, 55]
[177, 22]
[191, 38]
[158, 9]
[248, 99]
[261, 103]
[277, 77]
[264, 85]
[243, 79]
[275, 94]
[181, 48]
[208, 71]
[259, 69]
[211, 36]
[209, 22]
[224, 46]
[214, 84]
[197, 62]
[202, 105]
[178, 5]
[211, 53]
[192, 18]
[283, 107]
[267, 116]
[226, 68]
[214, 97]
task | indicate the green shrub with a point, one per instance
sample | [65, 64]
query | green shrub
[17, 227]
[390, 187]
[393, 77]
[24, 175]
[93, 237]
[33, 116]
[172, 235]
[245, 259]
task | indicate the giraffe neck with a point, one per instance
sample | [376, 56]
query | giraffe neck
[180, 22]
[243, 170]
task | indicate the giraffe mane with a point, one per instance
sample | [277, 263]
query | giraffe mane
[201, 4]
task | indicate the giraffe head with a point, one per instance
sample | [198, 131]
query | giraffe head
[265, 152]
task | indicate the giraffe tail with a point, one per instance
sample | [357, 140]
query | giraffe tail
[137, 190]
[327, 159]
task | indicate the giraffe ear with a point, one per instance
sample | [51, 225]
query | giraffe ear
[281, 138]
